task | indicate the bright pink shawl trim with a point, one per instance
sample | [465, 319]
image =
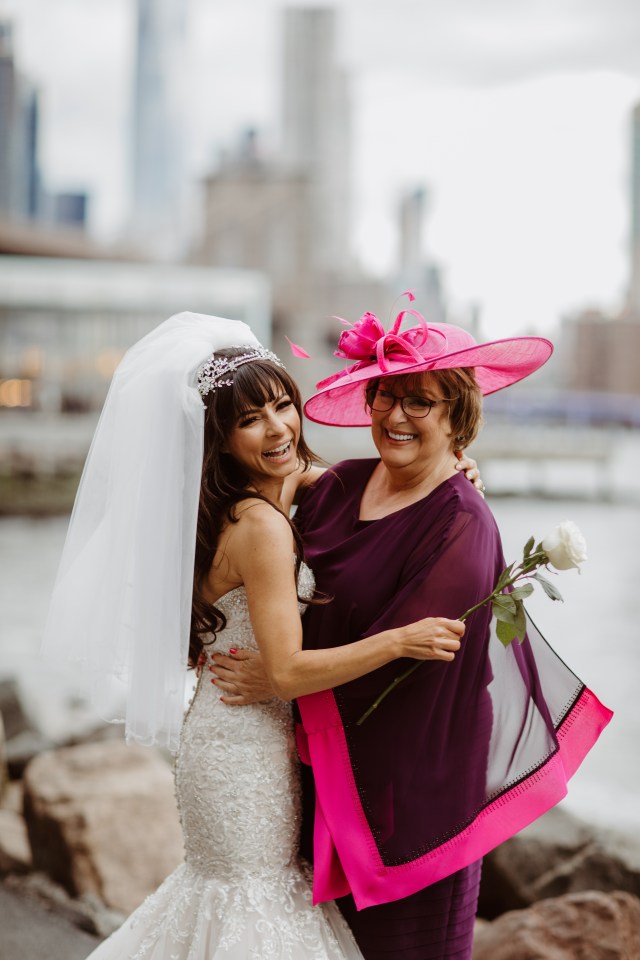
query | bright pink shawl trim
[346, 856]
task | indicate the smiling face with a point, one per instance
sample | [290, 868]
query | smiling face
[404, 437]
[264, 440]
[252, 430]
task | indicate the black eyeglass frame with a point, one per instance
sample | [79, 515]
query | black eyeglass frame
[372, 391]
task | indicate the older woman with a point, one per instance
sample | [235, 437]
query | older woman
[474, 745]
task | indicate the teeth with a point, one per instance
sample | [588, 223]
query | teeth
[401, 436]
[278, 451]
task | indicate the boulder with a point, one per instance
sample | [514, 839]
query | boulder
[102, 819]
[14, 718]
[87, 912]
[21, 740]
[595, 867]
[4, 770]
[22, 748]
[557, 854]
[15, 852]
[578, 926]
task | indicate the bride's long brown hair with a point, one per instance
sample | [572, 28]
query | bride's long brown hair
[225, 483]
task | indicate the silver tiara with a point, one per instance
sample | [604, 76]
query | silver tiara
[212, 372]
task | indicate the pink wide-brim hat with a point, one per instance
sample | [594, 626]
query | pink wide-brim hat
[340, 399]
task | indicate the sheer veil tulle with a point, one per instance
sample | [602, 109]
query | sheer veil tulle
[121, 604]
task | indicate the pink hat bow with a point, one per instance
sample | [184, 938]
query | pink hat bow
[367, 340]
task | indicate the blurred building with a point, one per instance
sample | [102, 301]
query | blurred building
[19, 176]
[415, 269]
[597, 351]
[256, 214]
[634, 285]
[65, 323]
[158, 142]
[601, 353]
[70, 209]
[316, 129]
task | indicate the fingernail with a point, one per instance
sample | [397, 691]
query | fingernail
[233, 649]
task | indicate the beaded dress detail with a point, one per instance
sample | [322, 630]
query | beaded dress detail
[242, 893]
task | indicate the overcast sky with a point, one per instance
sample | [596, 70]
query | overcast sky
[514, 114]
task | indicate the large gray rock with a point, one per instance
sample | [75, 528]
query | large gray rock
[21, 741]
[15, 852]
[22, 748]
[558, 854]
[4, 770]
[15, 720]
[579, 926]
[87, 912]
[102, 819]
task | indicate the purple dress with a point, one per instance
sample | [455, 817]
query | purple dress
[461, 755]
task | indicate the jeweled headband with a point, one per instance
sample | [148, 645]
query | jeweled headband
[215, 371]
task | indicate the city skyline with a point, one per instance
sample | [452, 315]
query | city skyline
[519, 126]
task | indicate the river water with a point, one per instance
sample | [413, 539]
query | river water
[596, 631]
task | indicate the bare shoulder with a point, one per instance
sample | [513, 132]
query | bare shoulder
[258, 520]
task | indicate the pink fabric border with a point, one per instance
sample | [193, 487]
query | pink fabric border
[346, 856]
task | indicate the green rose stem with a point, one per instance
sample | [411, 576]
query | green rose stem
[507, 578]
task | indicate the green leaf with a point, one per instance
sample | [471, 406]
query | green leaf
[528, 547]
[505, 604]
[521, 621]
[506, 632]
[521, 592]
[504, 577]
[548, 587]
[506, 616]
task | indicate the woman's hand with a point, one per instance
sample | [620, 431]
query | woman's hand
[434, 638]
[470, 468]
[241, 677]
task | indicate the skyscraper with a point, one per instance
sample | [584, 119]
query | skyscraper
[158, 151]
[19, 176]
[316, 129]
[634, 285]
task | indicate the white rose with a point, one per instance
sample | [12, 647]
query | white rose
[565, 546]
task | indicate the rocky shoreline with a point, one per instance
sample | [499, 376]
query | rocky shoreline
[88, 829]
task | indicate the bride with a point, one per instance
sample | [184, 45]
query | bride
[187, 472]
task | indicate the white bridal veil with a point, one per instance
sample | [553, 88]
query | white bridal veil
[121, 604]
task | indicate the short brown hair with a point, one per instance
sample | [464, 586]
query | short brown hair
[458, 383]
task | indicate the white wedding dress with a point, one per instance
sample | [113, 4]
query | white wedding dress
[241, 893]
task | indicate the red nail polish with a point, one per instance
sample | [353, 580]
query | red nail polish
[233, 649]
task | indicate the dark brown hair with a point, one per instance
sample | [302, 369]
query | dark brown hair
[224, 481]
[459, 384]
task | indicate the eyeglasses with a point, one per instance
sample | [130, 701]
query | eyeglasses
[416, 407]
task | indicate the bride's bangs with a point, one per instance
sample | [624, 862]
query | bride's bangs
[261, 382]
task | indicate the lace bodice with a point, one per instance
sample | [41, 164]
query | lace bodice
[225, 751]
